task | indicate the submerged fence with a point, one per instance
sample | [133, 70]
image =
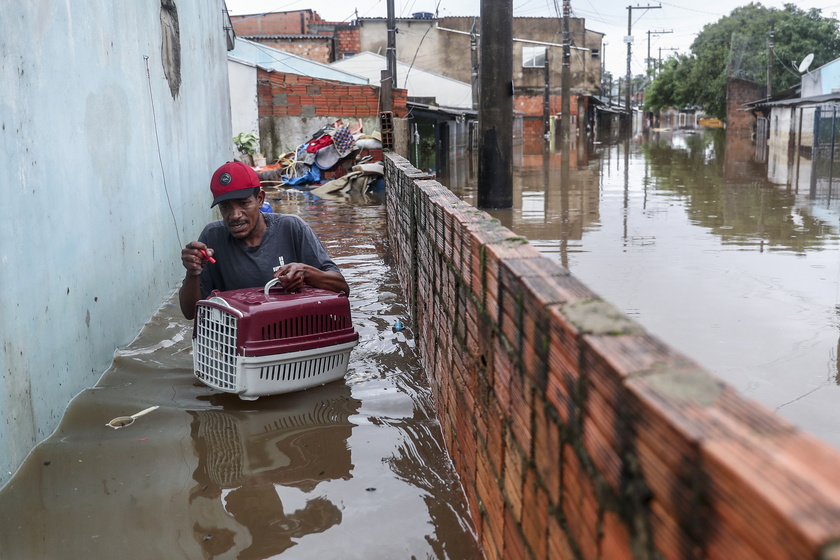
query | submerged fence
[824, 184]
[576, 434]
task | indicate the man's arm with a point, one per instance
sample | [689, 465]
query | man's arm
[194, 256]
[188, 295]
[294, 275]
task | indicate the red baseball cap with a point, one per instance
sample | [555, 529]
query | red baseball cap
[233, 180]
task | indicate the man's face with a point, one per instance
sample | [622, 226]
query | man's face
[242, 217]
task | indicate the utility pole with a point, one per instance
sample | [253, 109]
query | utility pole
[629, 40]
[565, 109]
[495, 111]
[546, 98]
[473, 65]
[770, 60]
[649, 33]
[391, 44]
[603, 64]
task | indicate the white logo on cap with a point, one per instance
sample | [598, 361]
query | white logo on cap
[225, 179]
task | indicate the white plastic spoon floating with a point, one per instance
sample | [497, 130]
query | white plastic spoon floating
[123, 421]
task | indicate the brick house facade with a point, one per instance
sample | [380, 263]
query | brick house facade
[300, 32]
[312, 101]
[738, 93]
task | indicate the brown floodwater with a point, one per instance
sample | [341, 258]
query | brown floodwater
[355, 469]
[685, 233]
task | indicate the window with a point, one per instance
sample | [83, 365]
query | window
[533, 57]
[596, 53]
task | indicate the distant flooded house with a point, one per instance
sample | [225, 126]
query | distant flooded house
[801, 133]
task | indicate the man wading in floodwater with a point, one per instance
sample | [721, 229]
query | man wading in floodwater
[247, 248]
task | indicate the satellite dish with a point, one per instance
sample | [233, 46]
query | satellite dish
[806, 63]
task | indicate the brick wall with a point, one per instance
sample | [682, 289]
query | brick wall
[298, 32]
[532, 105]
[291, 94]
[318, 49]
[347, 40]
[275, 23]
[576, 434]
[282, 95]
[738, 92]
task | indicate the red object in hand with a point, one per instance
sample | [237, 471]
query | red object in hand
[209, 258]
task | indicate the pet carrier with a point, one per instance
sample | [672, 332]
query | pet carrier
[263, 341]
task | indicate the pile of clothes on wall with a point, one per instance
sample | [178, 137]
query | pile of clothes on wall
[336, 158]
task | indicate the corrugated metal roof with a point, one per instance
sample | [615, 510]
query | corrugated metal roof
[815, 100]
[268, 58]
[286, 36]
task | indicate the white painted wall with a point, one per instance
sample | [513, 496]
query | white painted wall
[822, 80]
[244, 105]
[88, 244]
[781, 120]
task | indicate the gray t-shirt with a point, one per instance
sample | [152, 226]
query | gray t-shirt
[287, 239]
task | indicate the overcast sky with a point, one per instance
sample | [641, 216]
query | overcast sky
[679, 20]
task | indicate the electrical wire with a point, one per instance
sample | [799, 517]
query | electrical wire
[420, 44]
[160, 157]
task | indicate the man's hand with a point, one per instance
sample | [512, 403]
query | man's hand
[195, 256]
[292, 276]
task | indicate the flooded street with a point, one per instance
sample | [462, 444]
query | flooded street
[736, 272]
[354, 469]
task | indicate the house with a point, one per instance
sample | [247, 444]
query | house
[448, 47]
[287, 98]
[799, 135]
[300, 32]
[443, 45]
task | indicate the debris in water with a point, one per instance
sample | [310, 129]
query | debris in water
[123, 421]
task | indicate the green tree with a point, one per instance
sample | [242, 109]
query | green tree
[671, 88]
[737, 45]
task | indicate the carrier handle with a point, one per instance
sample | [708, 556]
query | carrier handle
[270, 284]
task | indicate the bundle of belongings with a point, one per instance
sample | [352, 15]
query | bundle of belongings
[358, 180]
[320, 156]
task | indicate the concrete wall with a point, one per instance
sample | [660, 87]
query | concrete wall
[441, 52]
[780, 144]
[576, 434]
[89, 247]
[243, 97]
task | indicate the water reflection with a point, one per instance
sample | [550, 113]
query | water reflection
[684, 231]
[250, 461]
